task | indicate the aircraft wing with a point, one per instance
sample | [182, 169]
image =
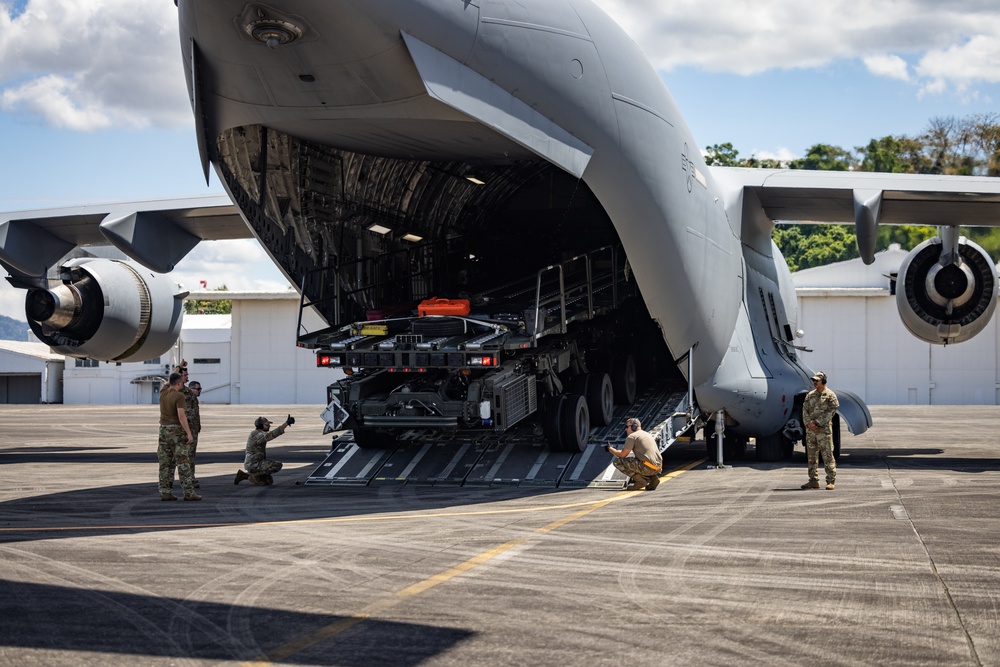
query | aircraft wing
[156, 233]
[868, 199]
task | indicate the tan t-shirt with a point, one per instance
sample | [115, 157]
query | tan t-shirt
[644, 448]
[170, 401]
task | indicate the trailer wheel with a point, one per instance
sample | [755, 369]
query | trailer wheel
[575, 423]
[600, 399]
[624, 378]
[370, 438]
[836, 437]
[552, 421]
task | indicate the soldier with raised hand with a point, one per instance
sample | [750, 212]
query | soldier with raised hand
[193, 411]
[818, 411]
[259, 468]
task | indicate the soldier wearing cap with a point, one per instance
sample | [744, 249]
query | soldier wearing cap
[644, 466]
[259, 468]
[818, 411]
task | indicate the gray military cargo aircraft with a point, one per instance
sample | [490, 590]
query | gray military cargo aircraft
[502, 215]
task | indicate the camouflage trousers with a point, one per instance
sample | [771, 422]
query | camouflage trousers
[194, 449]
[260, 473]
[633, 467]
[820, 444]
[174, 452]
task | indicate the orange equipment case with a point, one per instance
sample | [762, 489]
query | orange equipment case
[438, 306]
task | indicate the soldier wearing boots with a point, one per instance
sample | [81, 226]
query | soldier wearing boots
[644, 466]
[258, 467]
[818, 411]
[174, 448]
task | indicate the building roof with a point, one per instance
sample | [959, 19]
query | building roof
[221, 295]
[208, 321]
[30, 349]
[853, 273]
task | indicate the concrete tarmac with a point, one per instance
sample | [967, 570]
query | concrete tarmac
[899, 565]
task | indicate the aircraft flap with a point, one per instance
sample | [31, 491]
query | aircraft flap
[454, 84]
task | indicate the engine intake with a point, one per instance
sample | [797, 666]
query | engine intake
[107, 310]
[946, 290]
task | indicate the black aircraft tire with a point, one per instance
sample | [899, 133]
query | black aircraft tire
[600, 399]
[575, 423]
[624, 379]
[552, 422]
[836, 437]
[771, 448]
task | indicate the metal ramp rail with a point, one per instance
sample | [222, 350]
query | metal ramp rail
[516, 458]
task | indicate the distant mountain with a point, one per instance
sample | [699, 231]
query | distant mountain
[11, 329]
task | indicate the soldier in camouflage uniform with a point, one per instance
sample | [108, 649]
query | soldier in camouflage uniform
[258, 467]
[173, 450]
[817, 412]
[193, 411]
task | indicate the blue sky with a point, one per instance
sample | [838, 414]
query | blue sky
[89, 117]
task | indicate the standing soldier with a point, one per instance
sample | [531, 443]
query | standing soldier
[817, 412]
[259, 467]
[175, 442]
[193, 411]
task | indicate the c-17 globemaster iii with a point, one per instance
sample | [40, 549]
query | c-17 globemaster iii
[503, 217]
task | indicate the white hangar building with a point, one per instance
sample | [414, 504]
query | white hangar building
[849, 317]
[248, 357]
[30, 373]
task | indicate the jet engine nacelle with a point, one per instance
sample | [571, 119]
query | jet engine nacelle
[946, 292]
[107, 310]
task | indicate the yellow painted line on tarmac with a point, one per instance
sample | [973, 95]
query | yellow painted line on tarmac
[591, 504]
[333, 629]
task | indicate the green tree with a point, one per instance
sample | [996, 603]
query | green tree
[894, 155]
[209, 306]
[822, 157]
[806, 246]
[722, 155]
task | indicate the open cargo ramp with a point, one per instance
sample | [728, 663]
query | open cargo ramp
[516, 458]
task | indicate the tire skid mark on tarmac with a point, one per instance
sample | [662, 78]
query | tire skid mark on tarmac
[84, 580]
[386, 603]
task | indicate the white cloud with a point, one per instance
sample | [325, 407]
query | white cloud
[962, 65]
[782, 155]
[11, 301]
[889, 66]
[956, 42]
[95, 64]
[240, 265]
[116, 63]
